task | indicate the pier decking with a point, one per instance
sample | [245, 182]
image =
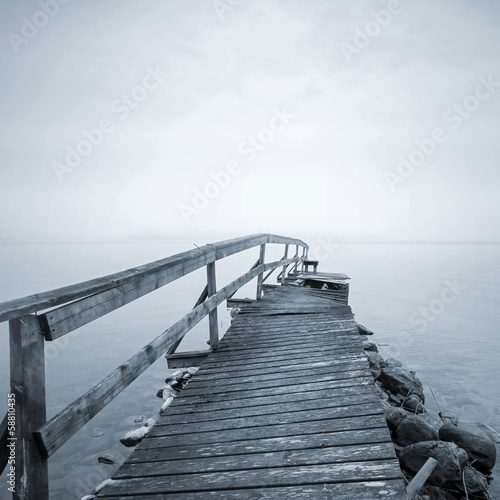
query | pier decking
[286, 407]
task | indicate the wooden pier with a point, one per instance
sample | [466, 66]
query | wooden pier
[283, 406]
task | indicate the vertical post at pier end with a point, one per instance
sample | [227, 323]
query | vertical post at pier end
[262, 256]
[27, 379]
[283, 272]
[212, 317]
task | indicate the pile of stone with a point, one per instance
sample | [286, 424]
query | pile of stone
[175, 382]
[465, 452]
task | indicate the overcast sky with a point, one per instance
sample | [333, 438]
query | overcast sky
[309, 107]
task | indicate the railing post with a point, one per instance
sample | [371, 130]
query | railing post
[260, 278]
[27, 379]
[303, 257]
[296, 264]
[212, 317]
[283, 273]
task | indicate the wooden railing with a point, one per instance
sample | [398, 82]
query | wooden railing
[45, 317]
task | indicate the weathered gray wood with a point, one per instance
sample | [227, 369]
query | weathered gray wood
[186, 359]
[263, 445]
[328, 455]
[421, 477]
[27, 379]
[308, 415]
[273, 431]
[212, 316]
[248, 377]
[302, 475]
[260, 277]
[204, 415]
[368, 490]
[283, 271]
[191, 406]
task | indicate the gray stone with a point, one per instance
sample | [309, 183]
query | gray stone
[400, 381]
[475, 482]
[448, 418]
[413, 430]
[363, 330]
[393, 362]
[375, 360]
[370, 346]
[481, 450]
[394, 417]
[431, 418]
[436, 493]
[414, 404]
[451, 460]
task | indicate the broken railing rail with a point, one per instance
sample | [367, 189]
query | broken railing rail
[50, 315]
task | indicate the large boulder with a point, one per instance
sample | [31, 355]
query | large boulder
[475, 482]
[394, 417]
[481, 450]
[401, 381]
[431, 418]
[375, 360]
[451, 460]
[413, 403]
[436, 493]
[414, 430]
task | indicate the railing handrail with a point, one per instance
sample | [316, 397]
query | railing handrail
[33, 303]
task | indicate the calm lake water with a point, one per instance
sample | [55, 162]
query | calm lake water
[433, 306]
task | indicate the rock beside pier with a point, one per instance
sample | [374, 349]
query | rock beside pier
[465, 451]
[451, 460]
[479, 449]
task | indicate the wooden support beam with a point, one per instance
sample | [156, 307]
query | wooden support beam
[283, 272]
[419, 480]
[200, 300]
[212, 317]
[27, 379]
[260, 278]
[186, 359]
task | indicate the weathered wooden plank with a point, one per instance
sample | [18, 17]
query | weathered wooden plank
[265, 432]
[263, 369]
[308, 415]
[192, 406]
[228, 358]
[264, 445]
[186, 359]
[328, 455]
[193, 390]
[368, 490]
[272, 409]
[27, 379]
[200, 382]
[287, 344]
[299, 475]
[280, 362]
